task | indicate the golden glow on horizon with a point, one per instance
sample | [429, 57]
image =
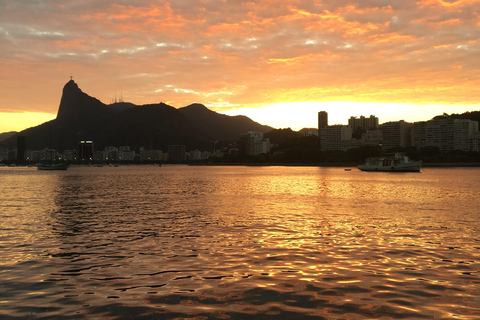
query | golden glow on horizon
[294, 115]
[299, 115]
[21, 121]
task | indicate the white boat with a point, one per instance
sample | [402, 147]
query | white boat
[397, 162]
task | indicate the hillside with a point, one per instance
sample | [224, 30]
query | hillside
[153, 126]
[7, 135]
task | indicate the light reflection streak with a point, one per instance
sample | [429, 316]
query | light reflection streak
[254, 237]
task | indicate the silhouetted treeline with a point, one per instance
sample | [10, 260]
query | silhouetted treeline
[474, 116]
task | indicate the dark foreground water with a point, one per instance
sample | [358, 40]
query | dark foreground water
[178, 242]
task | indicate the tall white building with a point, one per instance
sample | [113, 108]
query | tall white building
[445, 134]
[439, 134]
[463, 133]
[256, 144]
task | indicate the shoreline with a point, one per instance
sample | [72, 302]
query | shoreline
[333, 165]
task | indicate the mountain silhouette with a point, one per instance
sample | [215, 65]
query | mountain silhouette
[219, 125]
[7, 135]
[153, 126]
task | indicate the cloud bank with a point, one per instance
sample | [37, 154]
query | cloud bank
[240, 54]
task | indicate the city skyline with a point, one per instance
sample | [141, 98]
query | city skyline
[408, 60]
[310, 113]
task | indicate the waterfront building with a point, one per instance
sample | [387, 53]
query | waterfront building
[396, 134]
[370, 123]
[85, 150]
[351, 144]
[331, 137]
[463, 133]
[476, 142]
[256, 144]
[322, 123]
[110, 153]
[419, 134]
[125, 154]
[372, 138]
[445, 134]
[157, 155]
[440, 134]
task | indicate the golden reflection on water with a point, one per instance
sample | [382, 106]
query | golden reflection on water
[21, 196]
[235, 241]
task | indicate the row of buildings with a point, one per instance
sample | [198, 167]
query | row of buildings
[445, 134]
[86, 153]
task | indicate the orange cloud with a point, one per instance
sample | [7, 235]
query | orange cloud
[392, 37]
[447, 4]
[258, 52]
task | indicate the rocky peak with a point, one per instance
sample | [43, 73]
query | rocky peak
[77, 106]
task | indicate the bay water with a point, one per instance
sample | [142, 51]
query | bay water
[239, 242]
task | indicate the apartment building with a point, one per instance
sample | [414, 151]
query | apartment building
[331, 137]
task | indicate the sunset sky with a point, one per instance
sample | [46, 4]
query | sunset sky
[277, 61]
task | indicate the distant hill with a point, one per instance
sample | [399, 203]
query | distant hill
[474, 116]
[153, 126]
[7, 135]
[215, 124]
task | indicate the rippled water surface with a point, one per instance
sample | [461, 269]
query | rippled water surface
[180, 242]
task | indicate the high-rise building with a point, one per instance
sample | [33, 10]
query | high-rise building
[419, 134]
[463, 133]
[322, 120]
[445, 134]
[370, 123]
[332, 137]
[256, 144]
[21, 149]
[85, 150]
[396, 134]
[439, 134]
[322, 123]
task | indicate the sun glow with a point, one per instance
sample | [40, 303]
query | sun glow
[22, 121]
[299, 115]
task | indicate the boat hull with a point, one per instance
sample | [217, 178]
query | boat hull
[53, 167]
[410, 167]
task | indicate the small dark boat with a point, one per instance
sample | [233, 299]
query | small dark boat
[52, 166]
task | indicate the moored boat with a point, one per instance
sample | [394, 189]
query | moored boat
[397, 162]
[52, 166]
